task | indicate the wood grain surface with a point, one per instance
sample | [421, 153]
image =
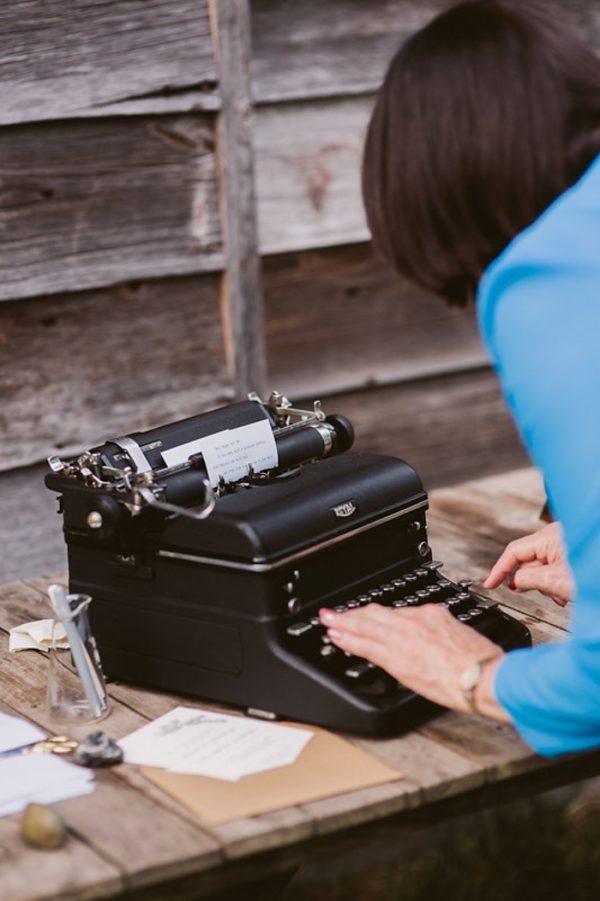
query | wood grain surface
[241, 288]
[306, 48]
[87, 204]
[308, 173]
[76, 369]
[130, 835]
[448, 427]
[340, 319]
[99, 58]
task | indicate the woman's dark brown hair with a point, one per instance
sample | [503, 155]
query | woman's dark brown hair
[485, 116]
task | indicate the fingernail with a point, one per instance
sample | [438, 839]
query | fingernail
[335, 634]
[327, 616]
[512, 585]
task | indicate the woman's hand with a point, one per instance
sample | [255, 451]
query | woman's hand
[424, 648]
[536, 561]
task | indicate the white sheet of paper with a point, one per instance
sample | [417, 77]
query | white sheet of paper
[229, 453]
[43, 778]
[37, 636]
[206, 743]
[15, 732]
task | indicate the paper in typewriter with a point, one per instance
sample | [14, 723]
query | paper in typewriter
[230, 453]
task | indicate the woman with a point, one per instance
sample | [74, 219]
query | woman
[482, 176]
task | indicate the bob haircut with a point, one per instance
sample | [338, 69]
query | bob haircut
[484, 118]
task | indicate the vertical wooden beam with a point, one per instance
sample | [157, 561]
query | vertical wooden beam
[242, 301]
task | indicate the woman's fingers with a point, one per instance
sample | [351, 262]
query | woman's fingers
[552, 580]
[523, 550]
[425, 648]
[367, 633]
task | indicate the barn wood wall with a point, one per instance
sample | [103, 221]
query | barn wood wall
[137, 165]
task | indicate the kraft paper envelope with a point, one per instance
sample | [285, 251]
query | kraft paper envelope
[328, 765]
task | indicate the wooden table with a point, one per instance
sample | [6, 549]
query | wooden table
[130, 837]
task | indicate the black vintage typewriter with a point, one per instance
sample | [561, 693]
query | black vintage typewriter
[209, 545]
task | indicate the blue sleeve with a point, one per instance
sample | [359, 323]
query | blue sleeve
[542, 325]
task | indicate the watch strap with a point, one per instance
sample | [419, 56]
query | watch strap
[471, 678]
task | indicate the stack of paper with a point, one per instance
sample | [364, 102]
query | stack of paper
[205, 743]
[43, 778]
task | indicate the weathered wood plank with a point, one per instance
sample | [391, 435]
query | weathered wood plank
[314, 49]
[307, 173]
[76, 369]
[339, 319]
[149, 843]
[449, 427]
[363, 806]
[436, 770]
[242, 295]
[306, 48]
[104, 58]
[30, 531]
[89, 204]
[524, 485]
[499, 515]
[73, 871]
[541, 632]
[495, 746]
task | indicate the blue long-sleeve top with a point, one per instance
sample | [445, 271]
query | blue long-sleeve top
[539, 313]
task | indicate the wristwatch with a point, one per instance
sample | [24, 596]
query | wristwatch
[470, 680]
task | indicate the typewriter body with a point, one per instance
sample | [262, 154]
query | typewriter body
[209, 545]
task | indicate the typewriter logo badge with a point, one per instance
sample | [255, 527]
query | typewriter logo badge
[344, 510]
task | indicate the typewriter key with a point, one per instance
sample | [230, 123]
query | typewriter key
[341, 608]
[375, 594]
[328, 650]
[446, 588]
[359, 670]
[352, 605]
[399, 583]
[300, 628]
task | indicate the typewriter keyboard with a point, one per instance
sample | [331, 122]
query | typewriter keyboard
[423, 585]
